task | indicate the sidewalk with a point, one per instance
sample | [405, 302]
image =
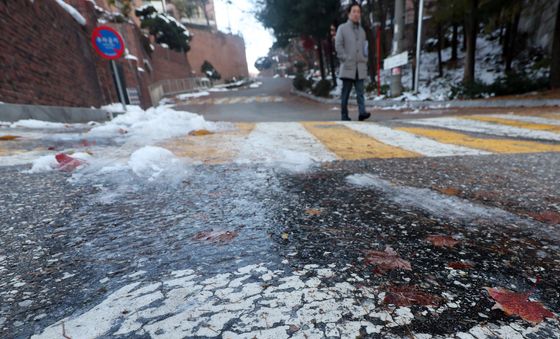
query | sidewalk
[481, 103]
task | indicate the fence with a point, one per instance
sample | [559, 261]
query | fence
[165, 88]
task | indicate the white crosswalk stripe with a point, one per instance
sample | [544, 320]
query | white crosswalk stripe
[485, 128]
[411, 142]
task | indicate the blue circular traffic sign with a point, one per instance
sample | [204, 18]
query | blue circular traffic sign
[107, 42]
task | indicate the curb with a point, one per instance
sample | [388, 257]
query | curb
[440, 104]
[71, 115]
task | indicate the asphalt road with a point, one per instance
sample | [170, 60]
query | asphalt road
[287, 225]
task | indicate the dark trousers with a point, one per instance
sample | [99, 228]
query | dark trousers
[346, 89]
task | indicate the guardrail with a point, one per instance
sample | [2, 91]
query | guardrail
[165, 88]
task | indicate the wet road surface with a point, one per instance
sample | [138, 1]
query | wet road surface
[398, 239]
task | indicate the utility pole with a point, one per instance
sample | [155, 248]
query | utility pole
[419, 46]
[398, 34]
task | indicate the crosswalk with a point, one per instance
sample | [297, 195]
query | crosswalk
[319, 142]
[234, 100]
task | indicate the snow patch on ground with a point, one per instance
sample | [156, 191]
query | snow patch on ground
[154, 162]
[256, 85]
[435, 203]
[37, 124]
[287, 145]
[187, 96]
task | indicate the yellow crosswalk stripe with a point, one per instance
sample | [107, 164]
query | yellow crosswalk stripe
[351, 145]
[490, 144]
[514, 123]
[218, 148]
[551, 116]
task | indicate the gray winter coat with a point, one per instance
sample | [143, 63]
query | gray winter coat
[351, 48]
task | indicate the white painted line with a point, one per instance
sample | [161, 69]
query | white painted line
[411, 142]
[287, 144]
[485, 127]
[527, 118]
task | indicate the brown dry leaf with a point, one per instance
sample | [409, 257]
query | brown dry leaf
[513, 303]
[386, 260]
[549, 217]
[460, 265]
[449, 191]
[442, 241]
[312, 212]
[216, 236]
[200, 132]
[409, 295]
[9, 137]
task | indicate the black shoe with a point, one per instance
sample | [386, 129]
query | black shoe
[363, 117]
[346, 118]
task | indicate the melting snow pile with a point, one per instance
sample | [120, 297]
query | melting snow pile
[136, 131]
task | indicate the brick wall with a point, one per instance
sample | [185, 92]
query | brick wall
[46, 57]
[226, 52]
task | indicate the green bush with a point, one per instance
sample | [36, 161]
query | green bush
[514, 83]
[322, 88]
[301, 83]
[474, 90]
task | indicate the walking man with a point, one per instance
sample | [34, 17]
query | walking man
[352, 50]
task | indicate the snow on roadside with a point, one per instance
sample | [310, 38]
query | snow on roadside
[37, 124]
[187, 96]
[137, 132]
[73, 12]
[152, 162]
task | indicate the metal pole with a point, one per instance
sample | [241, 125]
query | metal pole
[119, 85]
[419, 46]
[379, 60]
[396, 84]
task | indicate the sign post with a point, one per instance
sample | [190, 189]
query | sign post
[109, 44]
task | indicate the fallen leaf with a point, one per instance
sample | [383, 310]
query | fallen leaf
[386, 260]
[449, 191]
[216, 236]
[312, 211]
[9, 137]
[548, 217]
[285, 236]
[200, 132]
[66, 163]
[460, 265]
[513, 303]
[409, 295]
[442, 241]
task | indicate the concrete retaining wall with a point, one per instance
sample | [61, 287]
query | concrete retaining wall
[13, 112]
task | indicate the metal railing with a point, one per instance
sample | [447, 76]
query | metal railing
[170, 87]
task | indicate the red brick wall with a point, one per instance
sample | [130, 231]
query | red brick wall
[46, 57]
[226, 52]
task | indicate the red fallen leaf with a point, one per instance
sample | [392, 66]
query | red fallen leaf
[386, 261]
[513, 303]
[312, 212]
[442, 241]
[216, 236]
[409, 295]
[549, 217]
[86, 143]
[66, 163]
[51, 148]
[460, 265]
